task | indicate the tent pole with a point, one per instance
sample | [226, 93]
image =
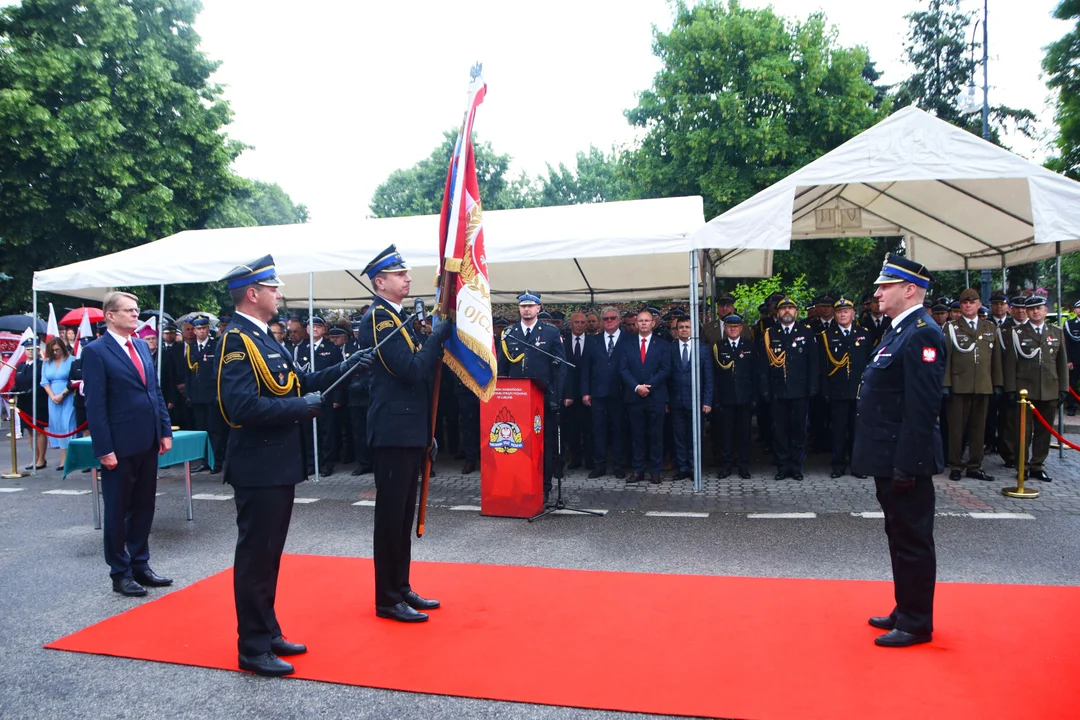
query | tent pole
[33, 389]
[1061, 323]
[967, 275]
[1004, 277]
[695, 373]
[160, 323]
[311, 361]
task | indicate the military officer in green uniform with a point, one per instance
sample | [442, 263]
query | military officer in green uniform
[973, 373]
[1036, 362]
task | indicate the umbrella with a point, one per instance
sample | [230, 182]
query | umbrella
[74, 317]
[19, 323]
[147, 314]
[187, 318]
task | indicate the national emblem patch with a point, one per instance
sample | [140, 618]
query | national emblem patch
[929, 354]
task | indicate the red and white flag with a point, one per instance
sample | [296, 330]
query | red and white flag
[84, 334]
[53, 330]
[7, 369]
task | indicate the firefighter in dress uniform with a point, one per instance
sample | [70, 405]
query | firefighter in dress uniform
[845, 352]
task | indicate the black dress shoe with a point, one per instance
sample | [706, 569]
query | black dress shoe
[468, 467]
[634, 478]
[780, 475]
[797, 476]
[1040, 475]
[723, 473]
[900, 638]
[418, 603]
[654, 479]
[1009, 464]
[595, 474]
[216, 470]
[744, 474]
[620, 474]
[42, 466]
[202, 468]
[128, 587]
[861, 477]
[267, 664]
[150, 578]
[888, 622]
[573, 465]
[326, 470]
[400, 612]
[979, 475]
[954, 475]
[835, 474]
[361, 471]
[282, 647]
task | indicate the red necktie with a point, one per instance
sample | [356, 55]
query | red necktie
[642, 351]
[135, 359]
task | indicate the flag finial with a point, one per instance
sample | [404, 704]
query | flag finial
[474, 71]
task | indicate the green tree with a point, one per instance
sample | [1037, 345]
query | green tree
[113, 134]
[418, 190]
[1062, 66]
[596, 177]
[257, 203]
[744, 97]
[939, 49]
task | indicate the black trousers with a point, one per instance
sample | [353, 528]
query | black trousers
[262, 524]
[609, 425]
[842, 420]
[647, 430]
[207, 417]
[820, 434]
[469, 408]
[1074, 380]
[909, 527]
[789, 433]
[735, 426]
[128, 492]
[397, 475]
[682, 426]
[578, 433]
[552, 456]
[358, 421]
[344, 447]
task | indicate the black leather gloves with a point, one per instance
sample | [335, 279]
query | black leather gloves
[314, 402]
[363, 358]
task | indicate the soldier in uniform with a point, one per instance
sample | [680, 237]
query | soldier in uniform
[845, 352]
[897, 441]
[263, 399]
[877, 322]
[321, 353]
[972, 375]
[736, 381]
[1072, 351]
[789, 378]
[940, 311]
[201, 386]
[399, 429]
[525, 351]
[344, 448]
[1035, 361]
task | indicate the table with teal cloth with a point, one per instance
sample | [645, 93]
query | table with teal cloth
[187, 445]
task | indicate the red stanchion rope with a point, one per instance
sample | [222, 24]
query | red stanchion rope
[30, 421]
[1074, 393]
[1048, 426]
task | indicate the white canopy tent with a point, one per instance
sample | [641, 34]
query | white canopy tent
[632, 250]
[960, 202]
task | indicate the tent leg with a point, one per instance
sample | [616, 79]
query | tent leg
[1061, 323]
[33, 389]
[160, 324]
[695, 373]
[311, 360]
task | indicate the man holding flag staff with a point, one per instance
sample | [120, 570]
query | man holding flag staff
[265, 399]
[399, 429]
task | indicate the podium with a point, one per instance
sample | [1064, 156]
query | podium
[512, 449]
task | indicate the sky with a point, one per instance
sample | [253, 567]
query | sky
[334, 96]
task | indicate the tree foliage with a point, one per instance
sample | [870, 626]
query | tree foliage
[1062, 66]
[113, 132]
[596, 177]
[257, 203]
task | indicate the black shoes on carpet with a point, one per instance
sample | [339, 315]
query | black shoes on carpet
[267, 664]
[282, 647]
[901, 638]
[400, 612]
[418, 603]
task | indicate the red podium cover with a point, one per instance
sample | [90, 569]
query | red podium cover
[512, 449]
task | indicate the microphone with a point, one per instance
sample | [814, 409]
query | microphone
[418, 309]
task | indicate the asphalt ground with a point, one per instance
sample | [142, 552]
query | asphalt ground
[53, 580]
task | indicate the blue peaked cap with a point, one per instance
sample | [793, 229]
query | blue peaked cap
[257, 272]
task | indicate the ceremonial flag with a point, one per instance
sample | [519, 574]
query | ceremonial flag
[7, 369]
[147, 328]
[470, 351]
[53, 329]
[83, 334]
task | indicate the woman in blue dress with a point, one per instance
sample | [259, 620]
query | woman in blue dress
[55, 378]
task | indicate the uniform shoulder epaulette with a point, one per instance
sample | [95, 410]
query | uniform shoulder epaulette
[920, 323]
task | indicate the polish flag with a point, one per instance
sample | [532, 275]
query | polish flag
[53, 330]
[84, 334]
[7, 368]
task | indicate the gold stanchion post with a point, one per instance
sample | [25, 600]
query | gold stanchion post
[15, 472]
[1020, 491]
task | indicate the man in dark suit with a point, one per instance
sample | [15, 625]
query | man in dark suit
[399, 430]
[129, 427]
[683, 404]
[736, 389]
[201, 388]
[577, 425]
[601, 392]
[898, 442]
[645, 369]
[534, 349]
[263, 400]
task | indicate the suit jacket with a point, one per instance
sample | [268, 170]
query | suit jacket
[125, 415]
[896, 426]
[399, 404]
[680, 381]
[974, 362]
[840, 378]
[265, 445]
[737, 374]
[572, 381]
[518, 361]
[654, 372]
[1044, 373]
[600, 372]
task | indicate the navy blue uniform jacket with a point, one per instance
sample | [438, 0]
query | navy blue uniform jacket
[399, 401]
[896, 428]
[736, 372]
[265, 445]
[654, 372]
[201, 372]
[126, 417]
[517, 361]
[680, 382]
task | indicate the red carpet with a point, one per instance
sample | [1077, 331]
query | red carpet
[674, 644]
